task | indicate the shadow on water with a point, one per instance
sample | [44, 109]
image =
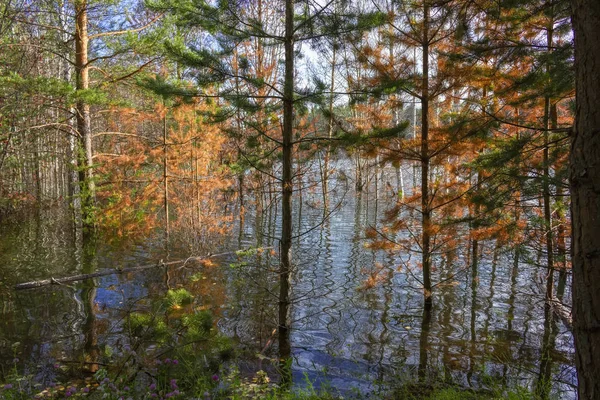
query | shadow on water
[357, 317]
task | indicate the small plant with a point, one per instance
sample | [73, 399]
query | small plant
[178, 297]
[197, 277]
[247, 252]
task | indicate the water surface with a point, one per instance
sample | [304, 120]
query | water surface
[358, 317]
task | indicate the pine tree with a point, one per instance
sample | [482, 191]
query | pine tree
[230, 23]
[426, 28]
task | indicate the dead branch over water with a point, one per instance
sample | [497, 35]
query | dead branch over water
[81, 277]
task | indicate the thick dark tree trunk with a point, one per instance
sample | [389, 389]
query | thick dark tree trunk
[585, 192]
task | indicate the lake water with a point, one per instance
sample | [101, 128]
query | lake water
[358, 318]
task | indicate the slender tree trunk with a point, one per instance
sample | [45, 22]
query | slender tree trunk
[544, 381]
[585, 186]
[561, 246]
[358, 174]
[424, 343]
[166, 175]
[37, 167]
[91, 349]
[287, 190]
[82, 111]
[198, 203]
[477, 206]
[73, 181]
[238, 122]
[195, 189]
[546, 179]
[425, 201]
[473, 325]
[414, 127]
[475, 242]
[561, 241]
[325, 187]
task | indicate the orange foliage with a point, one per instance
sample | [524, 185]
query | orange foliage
[132, 189]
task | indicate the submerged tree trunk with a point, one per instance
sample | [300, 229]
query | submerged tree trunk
[91, 349]
[424, 343]
[585, 192]
[544, 380]
[473, 325]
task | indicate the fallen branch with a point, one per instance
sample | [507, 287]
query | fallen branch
[75, 278]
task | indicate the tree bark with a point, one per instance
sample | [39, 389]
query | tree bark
[585, 192]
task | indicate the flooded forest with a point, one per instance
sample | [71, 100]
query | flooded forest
[297, 199]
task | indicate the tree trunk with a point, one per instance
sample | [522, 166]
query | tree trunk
[90, 328]
[286, 191]
[544, 380]
[424, 343]
[546, 178]
[82, 112]
[585, 192]
[325, 175]
[166, 175]
[477, 206]
[561, 221]
[425, 203]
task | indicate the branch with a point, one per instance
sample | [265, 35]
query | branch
[312, 17]
[113, 33]
[75, 278]
[119, 134]
[56, 53]
[107, 155]
[51, 27]
[533, 128]
[138, 70]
